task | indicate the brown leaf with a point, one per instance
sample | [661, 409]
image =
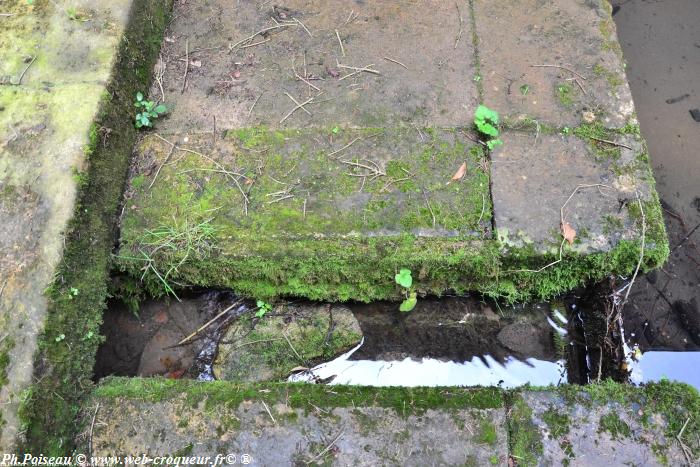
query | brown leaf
[461, 172]
[568, 232]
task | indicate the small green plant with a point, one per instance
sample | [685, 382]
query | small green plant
[486, 121]
[149, 111]
[73, 292]
[405, 280]
[525, 89]
[263, 307]
[60, 337]
[335, 130]
[76, 15]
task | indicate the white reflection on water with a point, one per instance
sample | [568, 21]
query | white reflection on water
[433, 372]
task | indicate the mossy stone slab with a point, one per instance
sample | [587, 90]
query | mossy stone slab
[292, 424]
[612, 433]
[537, 178]
[287, 337]
[46, 45]
[304, 200]
[575, 40]
[234, 83]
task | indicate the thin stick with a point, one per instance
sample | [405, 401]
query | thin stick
[293, 349]
[19, 81]
[561, 67]
[425, 196]
[680, 441]
[167, 158]
[562, 222]
[254, 44]
[303, 26]
[268, 411]
[7, 14]
[395, 61]
[187, 66]
[308, 101]
[483, 208]
[641, 251]
[354, 68]
[250, 111]
[611, 142]
[327, 448]
[92, 427]
[207, 324]
[307, 82]
[301, 106]
[344, 147]
[342, 49]
[684, 239]
[251, 37]
[461, 24]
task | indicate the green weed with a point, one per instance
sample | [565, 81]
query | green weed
[149, 111]
[486, 121]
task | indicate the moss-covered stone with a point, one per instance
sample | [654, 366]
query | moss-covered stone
[77, 297]
[267, 348]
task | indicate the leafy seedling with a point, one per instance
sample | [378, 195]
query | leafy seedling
[149, 111]
[409, 304]
[486, 121]
[404, 278]
[525, 89]
[263, 307]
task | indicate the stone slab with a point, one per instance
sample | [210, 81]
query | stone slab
[534, 174]
[228, 76]
[44, 130]
[284, 424]
[302, 429]
[579, 35]
[600, 434]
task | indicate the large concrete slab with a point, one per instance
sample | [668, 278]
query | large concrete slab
[294, 425]
[552, 60]
[299, 53]
[55, 61]
[277, 424]
[539, 178]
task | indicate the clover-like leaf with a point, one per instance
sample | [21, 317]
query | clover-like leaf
[139, 96]
[404, 278]
[161, 109]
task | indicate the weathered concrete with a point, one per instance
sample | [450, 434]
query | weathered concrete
[517, 37]
[539, 178]
[317, 180]
[53, 73]
[284, 424]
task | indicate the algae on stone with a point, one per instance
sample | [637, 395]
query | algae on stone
[288, 337]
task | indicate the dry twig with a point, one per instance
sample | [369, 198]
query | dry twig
[561, 67]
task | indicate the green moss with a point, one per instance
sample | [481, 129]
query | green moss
[524, 440]
[50, 407]
[404, 401]
[557, 423]
[487, 433]
[612, 424]
[566, 95]
[6, 346]
[614, 80]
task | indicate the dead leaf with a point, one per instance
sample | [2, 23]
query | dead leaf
[461, 172]
[196, 63]
[568, 232]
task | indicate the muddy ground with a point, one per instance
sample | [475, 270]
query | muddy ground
[661, 44]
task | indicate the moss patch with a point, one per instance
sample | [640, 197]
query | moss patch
[524, 440]
[405, 401]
